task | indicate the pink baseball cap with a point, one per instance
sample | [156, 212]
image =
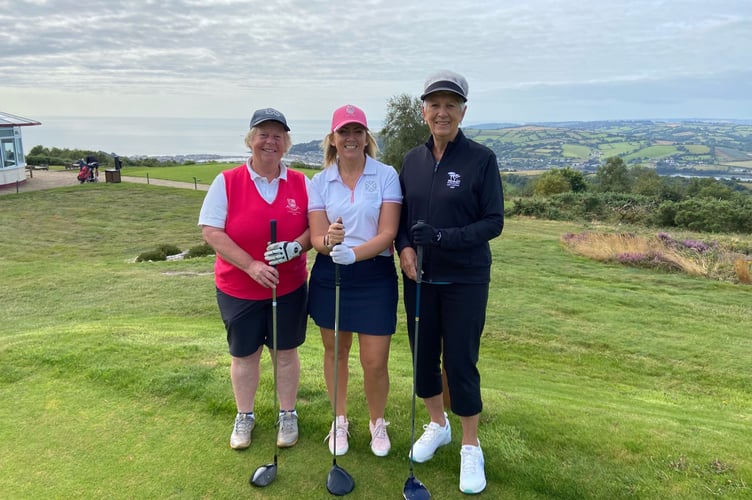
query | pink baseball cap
[348, 114]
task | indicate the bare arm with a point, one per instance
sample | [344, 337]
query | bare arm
[319, 229]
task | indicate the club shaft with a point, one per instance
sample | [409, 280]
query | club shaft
[336, 356]
[419, 270]
[273, 239]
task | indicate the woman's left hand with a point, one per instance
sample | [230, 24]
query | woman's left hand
[343, 254]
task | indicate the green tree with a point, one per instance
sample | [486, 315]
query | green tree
[575, 178]
[709, 188]
[613, 176]
[646, 181]
[551, 182]
[403, 129]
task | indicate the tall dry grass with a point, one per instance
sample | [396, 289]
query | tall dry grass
[741, 266]
[710, 260]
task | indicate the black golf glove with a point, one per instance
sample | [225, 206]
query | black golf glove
[282, 251]
[425, 234]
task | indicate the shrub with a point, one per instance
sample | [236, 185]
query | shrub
[664, 216]
[168, 249]
[151, 255]
[199, 251]
[531, 207]
[159, 253]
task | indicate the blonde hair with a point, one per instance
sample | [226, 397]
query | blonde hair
[255, 130]
[330, 151]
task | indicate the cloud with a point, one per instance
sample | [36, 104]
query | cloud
[182, 57]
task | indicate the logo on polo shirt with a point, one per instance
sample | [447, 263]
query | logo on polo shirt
[371, 187]
[454, 180]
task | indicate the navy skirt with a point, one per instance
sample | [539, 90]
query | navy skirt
[367, 297]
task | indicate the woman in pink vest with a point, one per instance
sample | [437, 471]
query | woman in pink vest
[235, 221]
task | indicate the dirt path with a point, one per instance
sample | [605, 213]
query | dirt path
[47, 179]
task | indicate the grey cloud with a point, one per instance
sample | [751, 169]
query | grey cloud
[566, 50]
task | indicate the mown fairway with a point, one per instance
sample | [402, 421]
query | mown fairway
[599, 381]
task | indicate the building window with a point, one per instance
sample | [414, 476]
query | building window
[9, 153]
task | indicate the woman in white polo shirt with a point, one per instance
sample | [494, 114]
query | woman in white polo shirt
[353, 212]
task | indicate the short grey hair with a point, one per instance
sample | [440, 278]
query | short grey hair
[456, 97]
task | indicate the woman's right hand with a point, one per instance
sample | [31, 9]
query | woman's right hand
[409, 263]
[265, 275]
[336, 232]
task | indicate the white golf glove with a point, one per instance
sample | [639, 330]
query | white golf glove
[282, 251]
[342, 254]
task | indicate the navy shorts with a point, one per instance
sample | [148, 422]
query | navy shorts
[367, 299]
[249, 322]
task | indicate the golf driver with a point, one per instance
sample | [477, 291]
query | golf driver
[265, 474]
[339, 482]
[414, 489]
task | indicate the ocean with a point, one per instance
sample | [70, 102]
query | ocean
[136, 136]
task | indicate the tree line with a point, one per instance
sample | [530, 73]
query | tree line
[40, 155]
[617, 193]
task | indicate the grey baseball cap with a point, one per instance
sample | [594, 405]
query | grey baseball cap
[268, 114]
[448, 81]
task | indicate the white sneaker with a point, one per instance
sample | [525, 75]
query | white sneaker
[433, 436]
[288, 429]
[380, 444]
[342, 433]
[472, 472]
[240, 438]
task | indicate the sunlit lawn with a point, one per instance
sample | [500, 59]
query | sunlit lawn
[599, 381]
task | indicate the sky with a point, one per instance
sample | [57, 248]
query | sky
[531, 61]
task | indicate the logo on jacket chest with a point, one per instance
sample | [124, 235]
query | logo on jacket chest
[454, 180]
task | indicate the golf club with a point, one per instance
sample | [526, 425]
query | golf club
[414, 489]
[265, 474]
[339, 482]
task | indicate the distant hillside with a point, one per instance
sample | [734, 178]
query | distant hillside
[690, 147]
[670, 146]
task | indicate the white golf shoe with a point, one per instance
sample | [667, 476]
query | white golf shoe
[433, 436]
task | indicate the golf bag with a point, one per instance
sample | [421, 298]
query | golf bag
[88, 170]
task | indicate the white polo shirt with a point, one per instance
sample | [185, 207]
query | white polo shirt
[359, 208]
[214, 210]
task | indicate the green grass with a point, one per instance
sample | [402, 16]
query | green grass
[202, 173]
[698, 149]
[618, 148]
[599, 381]
[575, 151]
[652, 152]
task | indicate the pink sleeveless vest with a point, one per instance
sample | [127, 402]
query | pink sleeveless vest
[247, 224]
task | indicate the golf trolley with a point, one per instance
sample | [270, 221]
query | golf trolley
[88, 171]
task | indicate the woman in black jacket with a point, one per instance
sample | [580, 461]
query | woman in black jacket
[453, 205]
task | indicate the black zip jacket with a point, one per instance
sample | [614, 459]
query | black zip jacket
[461, 196]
